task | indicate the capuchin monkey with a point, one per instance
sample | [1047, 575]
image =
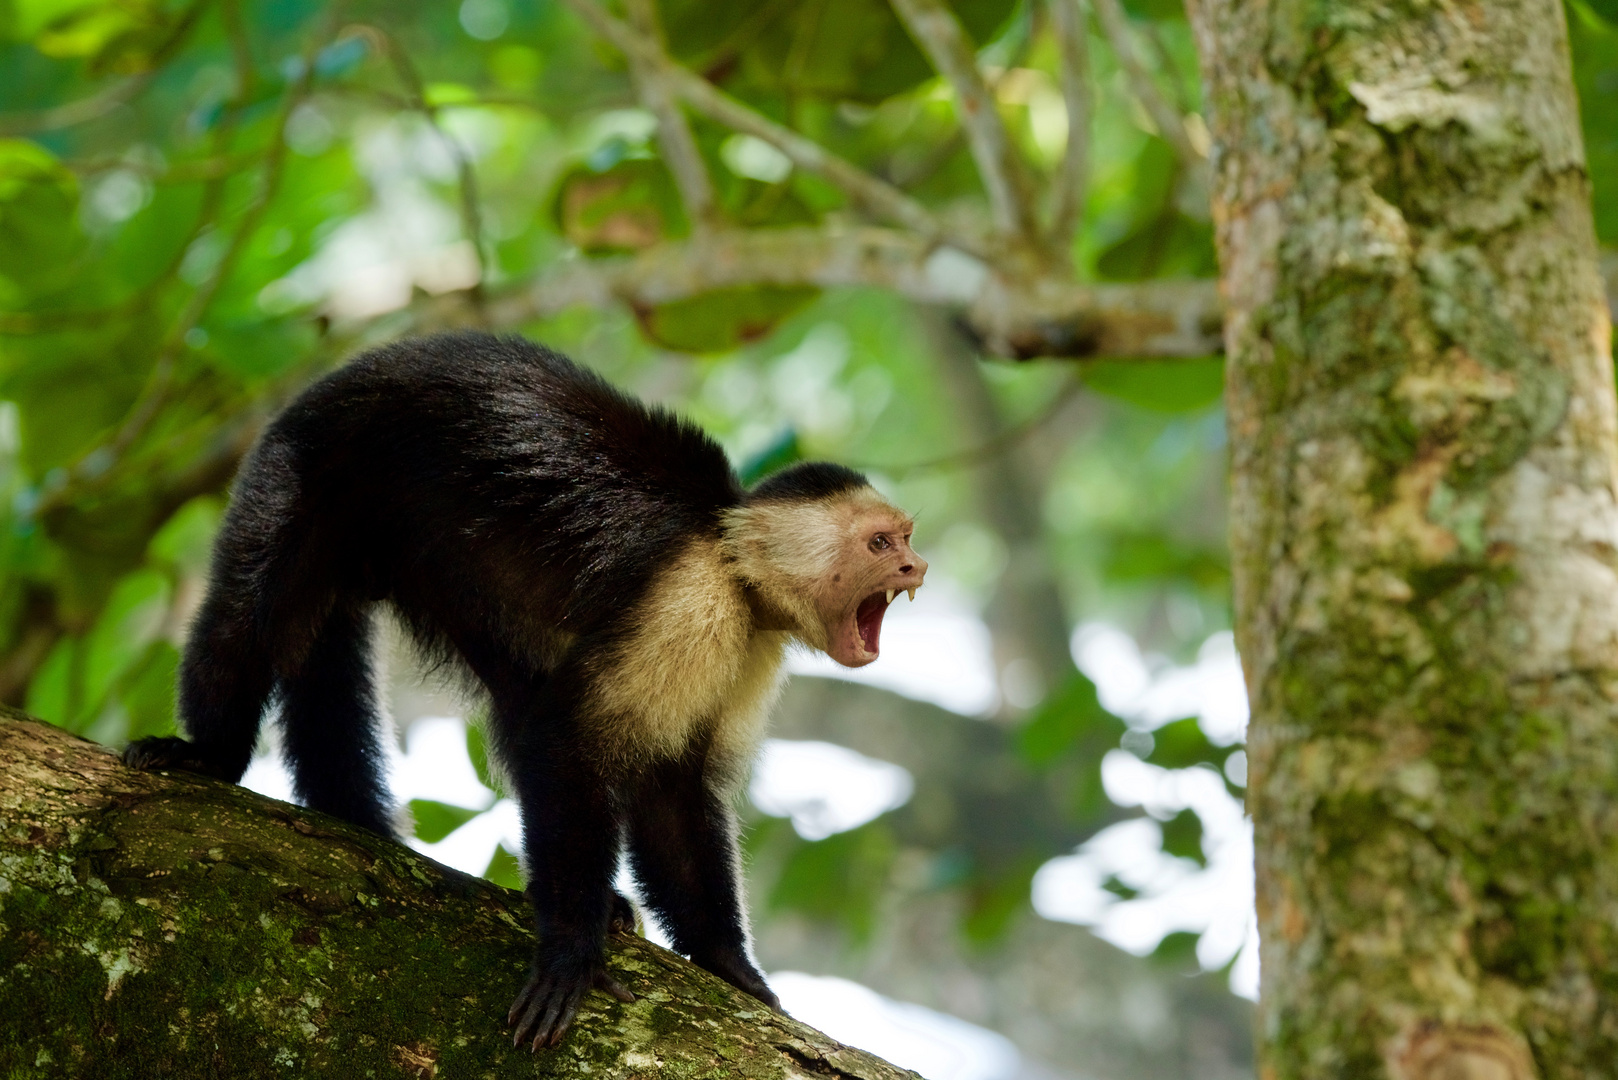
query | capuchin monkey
[594, 565]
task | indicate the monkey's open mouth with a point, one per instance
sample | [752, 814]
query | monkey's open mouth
[869, 620]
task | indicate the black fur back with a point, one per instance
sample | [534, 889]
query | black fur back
[498, 468]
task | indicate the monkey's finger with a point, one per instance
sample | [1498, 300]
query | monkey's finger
[604, 981]
[523, 1003]
[532, 1005]
[570, 1009]
[559, 1011]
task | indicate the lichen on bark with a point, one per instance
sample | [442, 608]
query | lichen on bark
[1424, 535]
[168, 925]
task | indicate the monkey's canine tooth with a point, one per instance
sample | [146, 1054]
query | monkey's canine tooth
[912, 592]
[890, 596]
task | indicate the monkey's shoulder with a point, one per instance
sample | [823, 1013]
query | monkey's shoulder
[691, 658]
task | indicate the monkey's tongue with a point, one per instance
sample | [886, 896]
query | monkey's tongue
[869, 620]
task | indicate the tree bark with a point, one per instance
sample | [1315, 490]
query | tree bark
[1424, 536]
[168, 925]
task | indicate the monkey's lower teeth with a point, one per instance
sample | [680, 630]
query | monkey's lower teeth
[890, 596]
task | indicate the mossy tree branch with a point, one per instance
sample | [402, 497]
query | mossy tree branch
[168, 925]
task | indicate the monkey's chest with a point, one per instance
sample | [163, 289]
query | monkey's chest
[691, 664]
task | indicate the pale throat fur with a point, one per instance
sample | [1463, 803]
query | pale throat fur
[712, 631]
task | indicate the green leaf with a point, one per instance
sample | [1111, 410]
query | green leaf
[1170, 386]
[504, 869]
[477, 750]
[1178, 949]
[993, 903]
[148, 697]
[1605, 10]
[115, 35]
[436, 820]
[841, 49]
[1119, 889]
[1182, 744]
[782, 451]
[840, 879]
[1182, 837]
[186, 539]
[31, 16]
[129, 622]
[39, 230]
[1062, 720]
[628, 206]
[724, 319]
[1154, 557]
[51, 694]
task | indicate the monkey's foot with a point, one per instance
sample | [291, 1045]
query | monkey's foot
[171, 752]
[546, 1007]
[622, 919]
[739, 972]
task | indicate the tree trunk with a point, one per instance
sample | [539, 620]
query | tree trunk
[171, 926]
[1424, 536]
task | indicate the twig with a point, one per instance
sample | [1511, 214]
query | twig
[1001, 168]
[158, 384]
[1170, 125]
[933, 159]
[465, 176]
[999, 444]
[680, 151]
[230, 13]
[1166, 64]
[1067, 16]
[876, 195]
[75, 112]
[1013, 318]
[103, 101]
[215, 170]
[180, 172]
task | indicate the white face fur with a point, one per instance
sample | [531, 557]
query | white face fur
[827, 568]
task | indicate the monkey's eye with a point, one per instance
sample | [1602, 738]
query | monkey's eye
[880, 542]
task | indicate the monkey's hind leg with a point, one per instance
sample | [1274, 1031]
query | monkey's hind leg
[224, 683]
[331, 726]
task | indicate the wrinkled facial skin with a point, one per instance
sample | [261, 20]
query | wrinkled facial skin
[876, 563]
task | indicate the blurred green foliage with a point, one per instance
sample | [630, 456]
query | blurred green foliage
[206, 203]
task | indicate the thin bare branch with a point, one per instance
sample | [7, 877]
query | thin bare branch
[85, 109]
[1001, 167]
[465, 175]
[876, 195]
[673, 133]
[106, 100]
[1170, 124]
[99, 461]
[1067, 16]
[1012, 318]
[990, 448]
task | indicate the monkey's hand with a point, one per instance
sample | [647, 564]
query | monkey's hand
[172, 752]
[546, 1007]
[739, 972]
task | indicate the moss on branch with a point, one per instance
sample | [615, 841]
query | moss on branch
[170, 925]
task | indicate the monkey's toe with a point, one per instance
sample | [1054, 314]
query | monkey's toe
[739, 972]
[548, 1004]
[622, 919]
